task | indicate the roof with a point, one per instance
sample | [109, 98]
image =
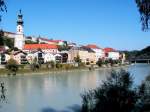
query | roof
[10, 32]
[17, 52]
[83, 48]
[39, 46]
[108, 49]
[93, 46]
[56, 41]
[87, 49]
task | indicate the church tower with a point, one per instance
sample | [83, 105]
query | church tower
[19, 39]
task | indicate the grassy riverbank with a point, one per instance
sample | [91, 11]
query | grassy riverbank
[26, 70]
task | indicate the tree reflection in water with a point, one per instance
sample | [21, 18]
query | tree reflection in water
[2, 92]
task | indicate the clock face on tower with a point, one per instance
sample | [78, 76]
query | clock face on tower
[19, 29]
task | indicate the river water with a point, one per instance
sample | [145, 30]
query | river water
[57, 92]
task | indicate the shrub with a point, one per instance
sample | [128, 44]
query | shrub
[58, 65]
[116, 94]
[87, 63]
[99, 62]
[12, 66]
[50, 64]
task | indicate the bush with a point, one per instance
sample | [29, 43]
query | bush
[87, 63]
[58, 65]
[67, 66]
[81, 64]
[116, 94]
[12, 66]
[50, 64]
[99, 62]
[35, 66]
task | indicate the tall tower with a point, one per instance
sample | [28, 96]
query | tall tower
[19, 39]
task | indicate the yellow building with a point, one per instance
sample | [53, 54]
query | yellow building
[85, 54]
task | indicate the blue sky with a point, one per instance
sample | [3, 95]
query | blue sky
[107, 23]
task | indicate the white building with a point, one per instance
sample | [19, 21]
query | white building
[19, 38]
[49, 57]
[114, 55]
[111, 53]
[46, 48]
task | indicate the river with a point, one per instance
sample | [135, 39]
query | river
[57, 92]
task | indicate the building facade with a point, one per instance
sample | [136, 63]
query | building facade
[19, 40]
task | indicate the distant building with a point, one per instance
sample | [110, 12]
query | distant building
[9, 34]
[111, 53]
[20, 57]
[86, 55]
[50, 41]
[99, 53]
[46, 48]
[71, 44]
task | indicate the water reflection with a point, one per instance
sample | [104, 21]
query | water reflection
[57, 91]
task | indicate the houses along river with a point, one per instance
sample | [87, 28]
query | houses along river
[57, 92]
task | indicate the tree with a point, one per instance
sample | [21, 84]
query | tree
[2, 7]
[99, 62]
[12, 66]
[116, 94]
[77, 59]
[50, 64]
[144, 9]
[1, 38]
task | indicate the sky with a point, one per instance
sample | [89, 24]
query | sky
[107, 23]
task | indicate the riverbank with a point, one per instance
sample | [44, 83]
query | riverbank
[24, 72]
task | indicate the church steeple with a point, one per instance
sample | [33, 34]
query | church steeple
[19, 39]
[20, 23]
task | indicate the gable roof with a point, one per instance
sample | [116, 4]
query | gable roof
[108, 49]
[39, 46]
[49, 40]
[93, 46]
[17, 52]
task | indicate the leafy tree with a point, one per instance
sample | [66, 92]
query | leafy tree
[9, 42]
[99, 62]
[35, 65]
[30, 42]
[116, 94]
[12, 66]
[2, 7]
[77, 59]
[144, 9]
[1, 38]
[50, 64]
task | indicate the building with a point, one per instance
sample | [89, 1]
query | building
[46, 48]
[85, 54]
[20, 57]
[111, 53]
[49, 57]
[9, 34]
[99, 53]
[51, 41]
[19, 38]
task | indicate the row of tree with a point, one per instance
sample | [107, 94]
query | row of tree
[117, 94]
[144, 53]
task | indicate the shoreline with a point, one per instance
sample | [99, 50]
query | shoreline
[53, 71]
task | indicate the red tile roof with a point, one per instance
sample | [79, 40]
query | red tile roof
[41, 46]
[93, 46]
[108, 49]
